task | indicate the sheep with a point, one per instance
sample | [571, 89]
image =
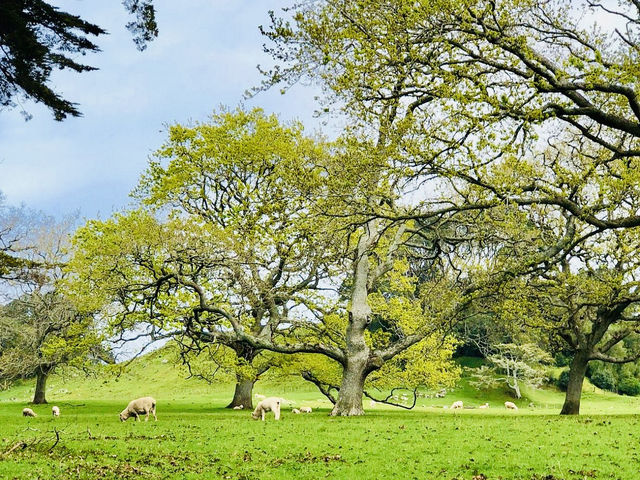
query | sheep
[510, 406]
[27, 412]
[238, 407]
[305, 409]
[146, 405]
[485, 405]
[456, 405]
[269, 404]
[55, 411]
[295, 410]
[259, 397]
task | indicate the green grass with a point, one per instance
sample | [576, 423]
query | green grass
[196, 438]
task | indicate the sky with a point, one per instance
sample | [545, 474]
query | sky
[205, 56]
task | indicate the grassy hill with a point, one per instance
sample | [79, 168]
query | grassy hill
[196, 438]
[160, 375]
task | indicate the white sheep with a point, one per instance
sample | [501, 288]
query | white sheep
[456, 405]
[269, 404]
[238, 407]
[305, 409]
[485, 405]
[510, 406]
[55, 411]
[143, 405]
[27, 412]
[295, 410]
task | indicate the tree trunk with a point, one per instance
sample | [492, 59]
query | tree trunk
[577, 371]
[516, 385]
[355, 369]
[41, 386]
[352, 388]
[243, 394]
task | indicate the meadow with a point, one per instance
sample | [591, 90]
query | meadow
[197, 438]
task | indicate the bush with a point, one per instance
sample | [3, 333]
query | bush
[629, 386]
[604, 379]
[563, 380]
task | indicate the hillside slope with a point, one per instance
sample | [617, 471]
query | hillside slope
[159, 374]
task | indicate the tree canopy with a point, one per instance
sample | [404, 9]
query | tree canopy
[37, 38]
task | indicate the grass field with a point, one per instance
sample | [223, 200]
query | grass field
[196, 438]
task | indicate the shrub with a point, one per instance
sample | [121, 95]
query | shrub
[563, 380]
[629, 386]
[604, 379]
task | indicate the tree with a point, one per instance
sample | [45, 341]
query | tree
[238, 249]
[516, 364]
[17, 227]
[40, 330]
[588, 303]
[36, 38]
[486, 80]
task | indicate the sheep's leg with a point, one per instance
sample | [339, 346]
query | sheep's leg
[146, 419]
[137, 416]
[263, 411]
[153, 410]
[276, 412]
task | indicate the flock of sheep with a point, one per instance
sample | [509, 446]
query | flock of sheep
[147, 405]
[459, 405]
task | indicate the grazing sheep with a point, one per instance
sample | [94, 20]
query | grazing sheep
[143, 405]
[510, 406]
[259, 397]
[305, 409]
[295, 410]
[269, 404]
[486, 405]
[27, 412]
[456, 405]
[55, 411]
[238, 407]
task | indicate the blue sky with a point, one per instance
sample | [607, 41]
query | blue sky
[205, 56]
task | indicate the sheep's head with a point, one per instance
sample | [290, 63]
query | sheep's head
[255, 416]
[124, 415]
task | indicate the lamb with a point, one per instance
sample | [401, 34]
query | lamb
[485, 405]
[269, 404]
[305, 409]
[139, 406]
[55, 411]
[238, 407]
[27, 412]
[456, 405]
[510, 406]
[295, 410]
